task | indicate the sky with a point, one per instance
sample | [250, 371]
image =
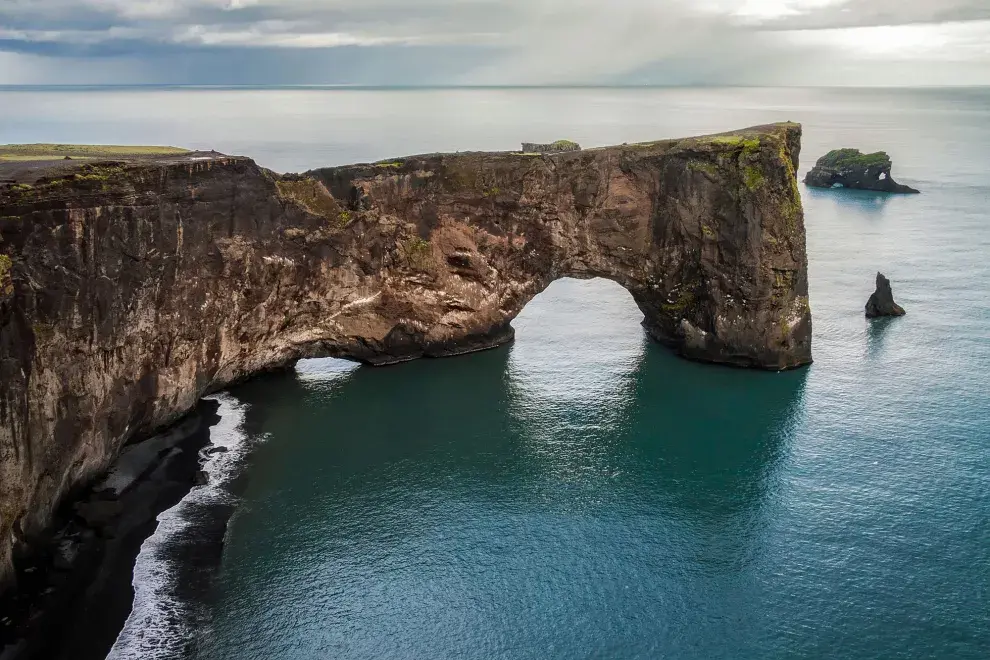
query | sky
[496, 42]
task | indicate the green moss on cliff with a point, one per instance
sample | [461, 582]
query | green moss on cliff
[100, 175]
[99, 172]
[753, 177]
[684, 300]
[314, 197]
[6, 282]
[565, 144]
[711, 169]
[749, 145]
[791, 206]
[392, 165]
[418, 252]
[852, 158]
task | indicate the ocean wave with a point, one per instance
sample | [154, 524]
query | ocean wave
[162, 622]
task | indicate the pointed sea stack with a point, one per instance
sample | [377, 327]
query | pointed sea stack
[881, 303]
[850, 168]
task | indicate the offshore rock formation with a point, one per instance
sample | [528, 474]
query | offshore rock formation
[881, 303]
[849, 168]
[130, 289]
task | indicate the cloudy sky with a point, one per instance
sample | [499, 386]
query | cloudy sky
[493, 42]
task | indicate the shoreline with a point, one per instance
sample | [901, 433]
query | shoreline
[74, 590]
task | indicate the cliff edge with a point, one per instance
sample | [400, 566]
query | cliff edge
[130, 288]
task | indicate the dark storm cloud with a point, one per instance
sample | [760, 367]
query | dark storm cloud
[458, 41]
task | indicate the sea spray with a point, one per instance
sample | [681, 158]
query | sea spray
[164, 617]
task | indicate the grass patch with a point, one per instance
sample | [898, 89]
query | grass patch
[565, 145]
[393, 165]
[21, 152]
[98, 173]
[842, 158]
[749, 145]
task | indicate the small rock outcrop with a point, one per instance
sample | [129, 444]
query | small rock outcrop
[881, 303]
[558, 147]
[850, 168]
[131, 288]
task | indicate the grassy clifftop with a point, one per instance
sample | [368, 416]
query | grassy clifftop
[27, 152]
[853, 158]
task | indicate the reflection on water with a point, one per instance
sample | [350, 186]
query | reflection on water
[876, 332]
[846, 200]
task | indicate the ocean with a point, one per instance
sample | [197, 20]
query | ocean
[583, 493]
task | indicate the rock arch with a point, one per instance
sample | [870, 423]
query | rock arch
[131, 289]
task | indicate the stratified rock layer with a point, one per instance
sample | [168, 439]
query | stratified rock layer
[131, 289]
[849, 168]
[881, 303]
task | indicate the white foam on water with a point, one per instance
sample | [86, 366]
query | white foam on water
[160, 623]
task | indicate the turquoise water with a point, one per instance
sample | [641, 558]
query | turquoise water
[583, 493]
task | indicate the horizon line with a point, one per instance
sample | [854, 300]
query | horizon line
[425, 87]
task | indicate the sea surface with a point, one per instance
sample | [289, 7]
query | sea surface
[583, 493]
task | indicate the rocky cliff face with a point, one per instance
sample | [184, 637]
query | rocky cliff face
[129, 290]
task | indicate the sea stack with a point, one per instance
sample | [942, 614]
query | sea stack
[881, 303]
[850, 168]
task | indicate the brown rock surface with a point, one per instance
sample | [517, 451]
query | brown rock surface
[133, 288]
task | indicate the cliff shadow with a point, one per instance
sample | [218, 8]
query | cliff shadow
[860, 202]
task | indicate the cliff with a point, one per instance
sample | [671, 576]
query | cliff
[131, 288]
[850, 168]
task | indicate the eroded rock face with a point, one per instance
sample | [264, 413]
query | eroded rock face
[850, 168]
[135, 288]
[881, 303]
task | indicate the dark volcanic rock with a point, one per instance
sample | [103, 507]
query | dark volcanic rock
[849, 168]
[74, 591]
[130, 289]
[881, 303]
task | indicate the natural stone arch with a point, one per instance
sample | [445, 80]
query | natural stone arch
[706, 233]
[131, 289]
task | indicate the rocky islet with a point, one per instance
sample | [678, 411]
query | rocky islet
[881, 303]
[850, 168]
